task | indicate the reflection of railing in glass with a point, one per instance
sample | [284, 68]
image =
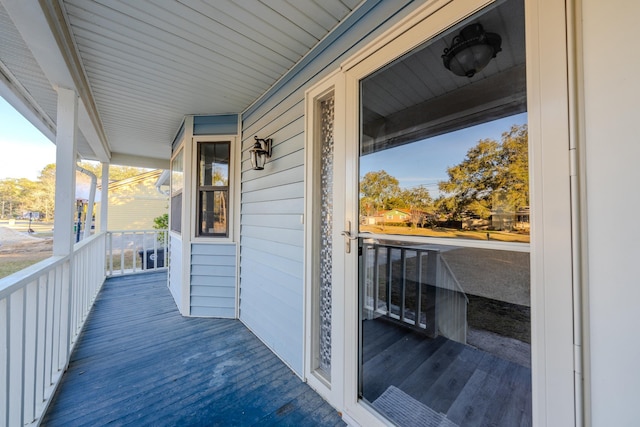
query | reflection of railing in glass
[414, 286]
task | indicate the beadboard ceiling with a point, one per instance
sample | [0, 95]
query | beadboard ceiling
[141, 65]
[147, 63]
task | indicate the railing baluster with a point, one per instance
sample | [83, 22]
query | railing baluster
[110, 253]
[42, 309]
[403, 282]
[376, 277]
[30, 346]
[418, 288]
[121, 253]
[4, 367]
[155, 242]
[388, 281]
[445, 307]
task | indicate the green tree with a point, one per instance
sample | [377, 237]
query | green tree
[45, 191]
[26, 198]
[419, 203]
[9, 197]
[377, 190]
[494, 175]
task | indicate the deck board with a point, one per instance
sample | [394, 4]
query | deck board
[468, 386]
[139, 362]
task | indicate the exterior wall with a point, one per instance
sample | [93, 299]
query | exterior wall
[203, 271]
[213, 280]
[135, 213]
[611, 153]
[272, 205]
[134, 203]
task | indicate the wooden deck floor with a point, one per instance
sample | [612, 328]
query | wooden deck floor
[468, 387]
[138, 362]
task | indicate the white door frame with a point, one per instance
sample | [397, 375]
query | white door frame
[330, 390]
[548, 106]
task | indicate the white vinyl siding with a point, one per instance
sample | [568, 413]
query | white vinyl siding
[272, 201]
[213, 280]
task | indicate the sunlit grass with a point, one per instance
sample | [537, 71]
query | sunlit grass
[12, 263]
[501, 236]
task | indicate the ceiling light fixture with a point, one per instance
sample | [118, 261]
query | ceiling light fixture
[471, 50]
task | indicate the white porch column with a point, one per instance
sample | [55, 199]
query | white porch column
[104, 199]
[66, 148]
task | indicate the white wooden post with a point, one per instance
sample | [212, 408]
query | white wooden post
[92, 199]
[66, 148]
[104, 199]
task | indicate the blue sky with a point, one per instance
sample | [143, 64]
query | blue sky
[425, 162]
[24, 150]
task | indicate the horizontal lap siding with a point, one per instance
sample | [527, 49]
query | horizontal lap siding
[272, 202]
[213, 280]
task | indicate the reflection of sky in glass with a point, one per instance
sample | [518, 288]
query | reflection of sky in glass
[425, 162]
[176, 173]
[220, 174]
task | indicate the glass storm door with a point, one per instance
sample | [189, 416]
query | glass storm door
[443, 230]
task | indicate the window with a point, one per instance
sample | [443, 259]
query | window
[177, 184]
[213, 189]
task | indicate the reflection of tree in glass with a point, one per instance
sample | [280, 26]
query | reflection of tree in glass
[494, 176]
[419, 203]
[380, 191]
[377, 189]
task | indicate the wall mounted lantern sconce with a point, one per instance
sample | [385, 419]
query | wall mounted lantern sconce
[260, 152]
[471, 50]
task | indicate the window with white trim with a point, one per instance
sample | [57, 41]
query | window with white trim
[213, 188]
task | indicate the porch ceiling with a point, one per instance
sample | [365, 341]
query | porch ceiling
[140, 66]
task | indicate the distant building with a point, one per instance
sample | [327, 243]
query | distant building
[134, 202]
[509, 220]
[397, 215]
[35, 216]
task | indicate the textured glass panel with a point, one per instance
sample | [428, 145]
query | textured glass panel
[326, 230]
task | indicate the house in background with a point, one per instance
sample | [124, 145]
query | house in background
[396, 215]
[135, 202]
[313, 87]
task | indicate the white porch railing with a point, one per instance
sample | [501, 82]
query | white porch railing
[42, 310]
[414, 286]
[136, 251]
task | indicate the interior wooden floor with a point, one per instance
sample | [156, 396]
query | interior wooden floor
[468, 387]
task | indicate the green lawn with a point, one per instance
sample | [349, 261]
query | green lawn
[502, 236]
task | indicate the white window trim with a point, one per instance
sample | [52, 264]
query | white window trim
[231, 237]
[176, 151]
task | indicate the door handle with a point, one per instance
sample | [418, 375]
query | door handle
[348, 237]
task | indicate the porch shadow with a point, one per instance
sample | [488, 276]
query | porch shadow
[139, 362]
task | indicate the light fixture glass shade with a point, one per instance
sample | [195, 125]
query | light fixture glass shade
[259, 153]
[471, 51]
[258, 159]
